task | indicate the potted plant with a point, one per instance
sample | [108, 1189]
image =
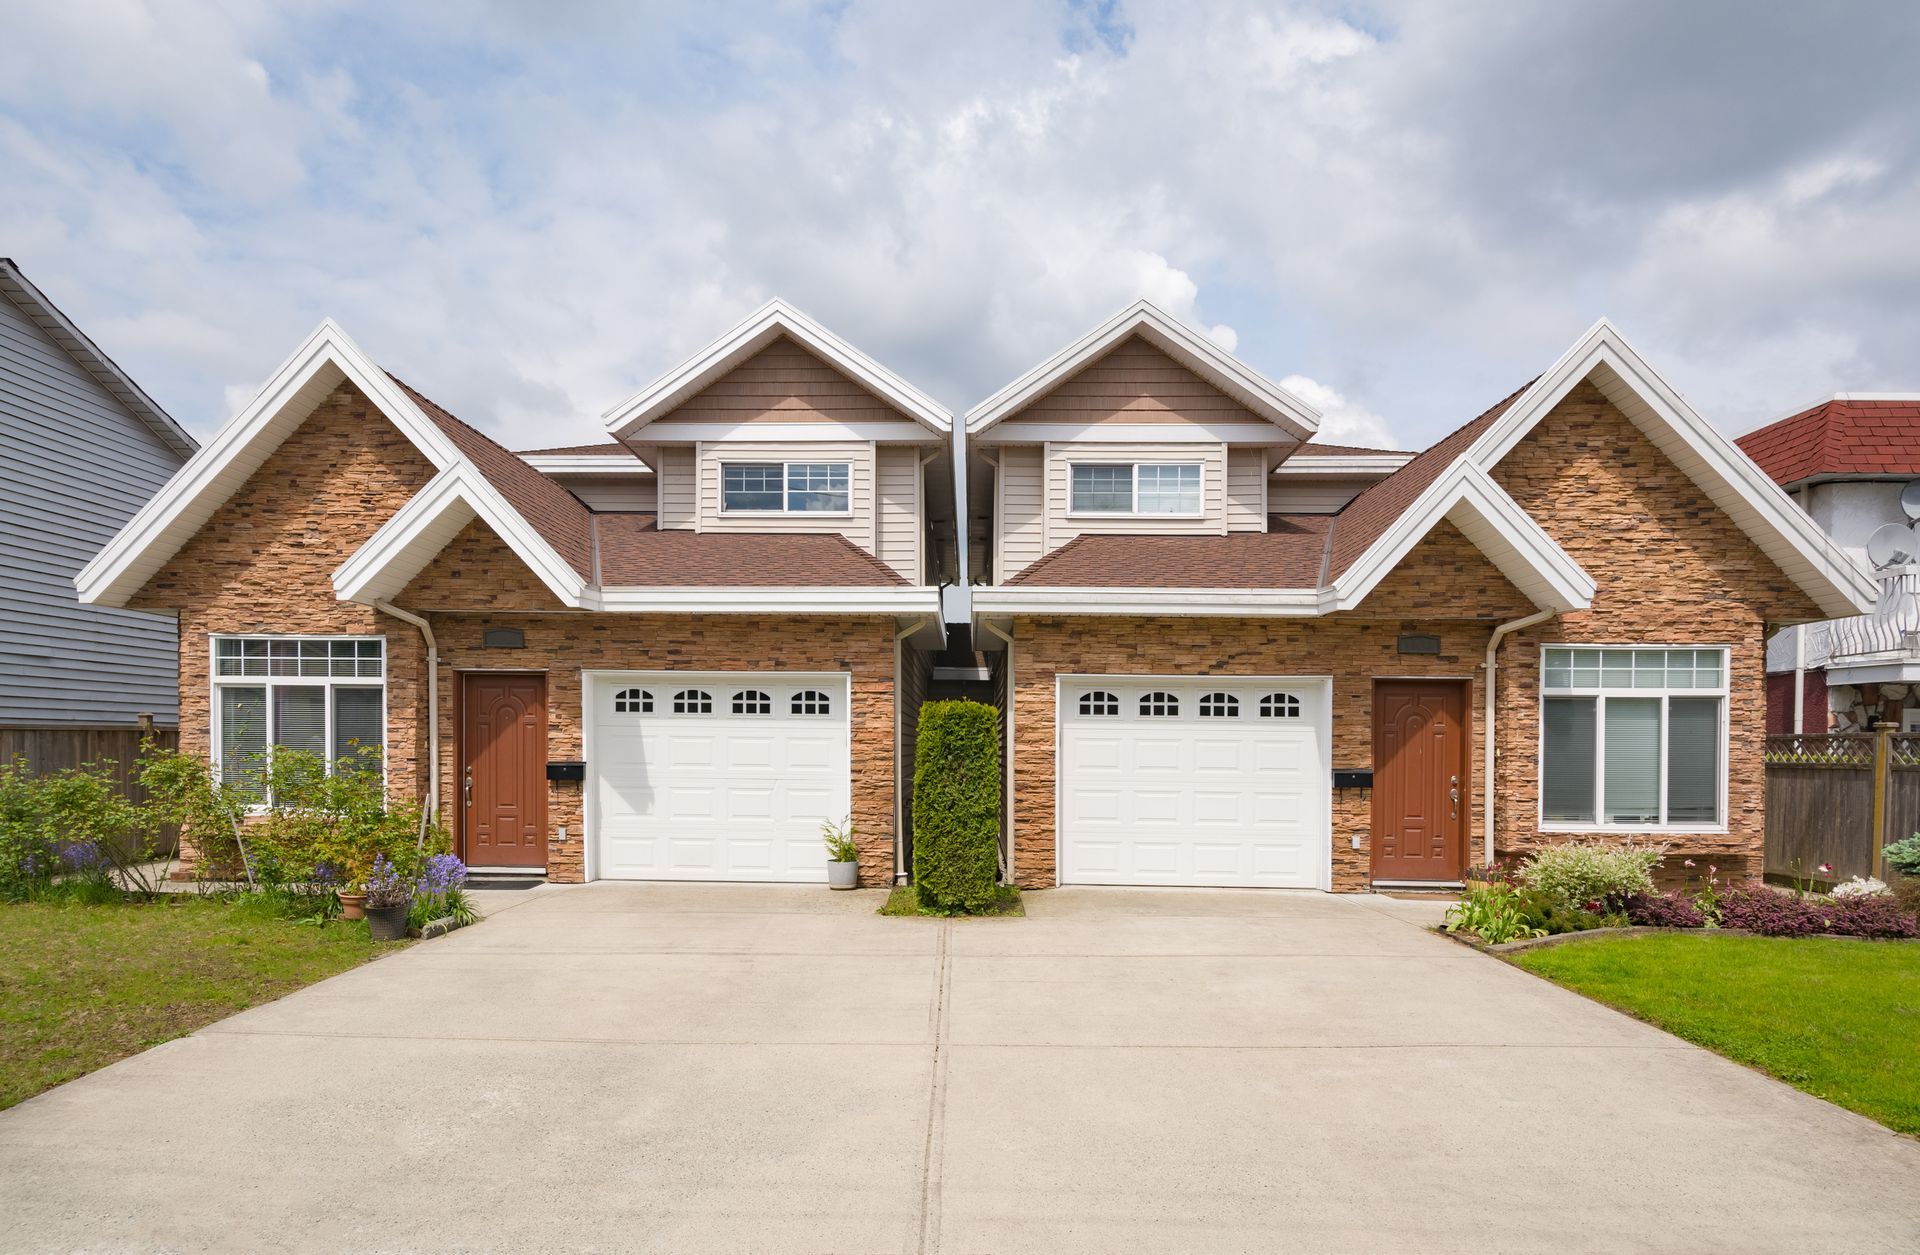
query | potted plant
[843, 856]
[389, 896]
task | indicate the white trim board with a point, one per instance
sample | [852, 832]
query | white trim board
[759, 329]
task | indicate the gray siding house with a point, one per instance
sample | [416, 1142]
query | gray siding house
[82, 448]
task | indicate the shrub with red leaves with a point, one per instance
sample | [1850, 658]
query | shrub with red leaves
[1759, 909]
[1877, 916]
[1663, 910]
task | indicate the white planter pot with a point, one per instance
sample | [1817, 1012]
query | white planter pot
[843, 875]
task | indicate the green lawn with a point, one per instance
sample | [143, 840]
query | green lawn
[1838, 1019]
[82, 986]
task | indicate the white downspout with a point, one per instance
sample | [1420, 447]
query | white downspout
[1799, 677]
[433, 707]
[899, 792]
[1500, 631]
[1007, 871]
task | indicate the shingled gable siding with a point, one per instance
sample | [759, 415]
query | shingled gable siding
[1671, 569]
[264, 562]
[1443, 573]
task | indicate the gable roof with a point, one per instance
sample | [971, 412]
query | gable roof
[1186, 345]
[75, 343]
[484, 473]
[758, 330]
[1848, 434]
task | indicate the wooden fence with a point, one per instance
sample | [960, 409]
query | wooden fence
[1837, 799]
[48, 750]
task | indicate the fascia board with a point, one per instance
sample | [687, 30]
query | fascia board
[758, 330]
[586, 464]
[1000, 600]
[708, 599]
[1850, 588]
[1380, 466]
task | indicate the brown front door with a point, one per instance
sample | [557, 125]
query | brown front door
[1420, 803]
[503, 777]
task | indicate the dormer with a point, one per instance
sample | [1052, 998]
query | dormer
[1143, 426]
[779, 426]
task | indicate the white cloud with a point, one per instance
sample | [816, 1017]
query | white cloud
[1342, 421]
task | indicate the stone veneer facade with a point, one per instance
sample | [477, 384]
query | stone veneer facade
[1672, 569]
[263, 564]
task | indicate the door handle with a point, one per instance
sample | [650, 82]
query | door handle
[1453, 795]
[466, 789]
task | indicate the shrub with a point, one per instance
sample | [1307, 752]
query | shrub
[1759, 909]
[334, 826]
[1907, 893]
[1663, 910]
[1862, 887]
[956, 807]
[1904, 856]
[841, 847]
[1494, 913]
[1867, 916]
[73, 832]
[1583, 872]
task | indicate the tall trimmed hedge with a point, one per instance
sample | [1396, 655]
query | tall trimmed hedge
[956, 806]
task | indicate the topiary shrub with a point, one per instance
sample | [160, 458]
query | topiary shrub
[956, 807]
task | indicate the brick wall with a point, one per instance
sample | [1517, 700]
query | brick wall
[1671, 569]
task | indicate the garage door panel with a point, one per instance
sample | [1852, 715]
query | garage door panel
[1222, 799]
[719, 795]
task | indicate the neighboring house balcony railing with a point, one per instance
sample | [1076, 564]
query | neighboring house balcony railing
[1882, 646]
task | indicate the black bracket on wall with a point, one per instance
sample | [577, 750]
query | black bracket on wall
[567, 772]
[1353, 779]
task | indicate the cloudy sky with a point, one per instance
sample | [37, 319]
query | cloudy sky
[1403, 210]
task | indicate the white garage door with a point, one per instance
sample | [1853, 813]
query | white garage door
[1180, 781]
[716, 777]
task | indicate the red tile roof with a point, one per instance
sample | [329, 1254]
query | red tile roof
[1839, 437]
[635, 552]
[1287, 555]
[549, 509]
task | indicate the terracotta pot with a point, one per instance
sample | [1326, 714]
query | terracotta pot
[352, 905]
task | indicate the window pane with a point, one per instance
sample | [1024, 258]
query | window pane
[356, 724]
[1566, 772]
[1169, 489]
[819, 488]
[1632, 786]
[243, 735]
[284, 657]
[750, 486]
[300, 718]
[1103, 488]
[227, 658]
[1693, 760]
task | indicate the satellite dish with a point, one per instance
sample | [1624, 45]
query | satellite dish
[1910, 500]
[1891, 545]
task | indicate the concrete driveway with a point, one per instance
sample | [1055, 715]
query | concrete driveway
[718, 1068]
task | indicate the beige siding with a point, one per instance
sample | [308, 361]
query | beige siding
[1022, 514]
[899, 521]
[676, 490]
[1313, 494]
[1246, 490]
[636, 493]
[1062, 526]
[1134, 382]
[858, 527]
[783, 383]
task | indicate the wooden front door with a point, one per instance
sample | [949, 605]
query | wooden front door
[503, 777]
[1420, 769]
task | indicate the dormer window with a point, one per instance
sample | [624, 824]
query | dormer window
[1166, 489]
[786, 488]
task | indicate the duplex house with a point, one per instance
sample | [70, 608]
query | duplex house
[1552, 623]
[672, 660]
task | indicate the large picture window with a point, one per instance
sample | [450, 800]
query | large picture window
[1169, 488]
[324, 695]
[786, 488]
[1633, 738]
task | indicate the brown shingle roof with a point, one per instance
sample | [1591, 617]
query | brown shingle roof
[635, 552]
[606, 448]
[1839, 437]
[1367, 517]
[1287, 555]
[547, 507]
[1314, 449]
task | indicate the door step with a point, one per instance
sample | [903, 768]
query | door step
[1419, 886]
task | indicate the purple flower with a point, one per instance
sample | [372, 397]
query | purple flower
[79, 856]
[443, 872]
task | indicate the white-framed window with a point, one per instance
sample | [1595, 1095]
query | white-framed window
[633, 702]
[1633, 738]
[326, 695]
[693, 702]
[1279, 706]
[752, 702]
[1099, 704]
[1160, 706]
[1219, 706]
[811, 702]
[786, 488]
[1168, 489]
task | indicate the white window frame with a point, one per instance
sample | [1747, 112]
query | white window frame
[270, 682]
[1133, 477]
[1600, 693]
[786, 509]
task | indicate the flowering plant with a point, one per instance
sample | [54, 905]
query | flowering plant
[1862, 887]
[386, 887]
